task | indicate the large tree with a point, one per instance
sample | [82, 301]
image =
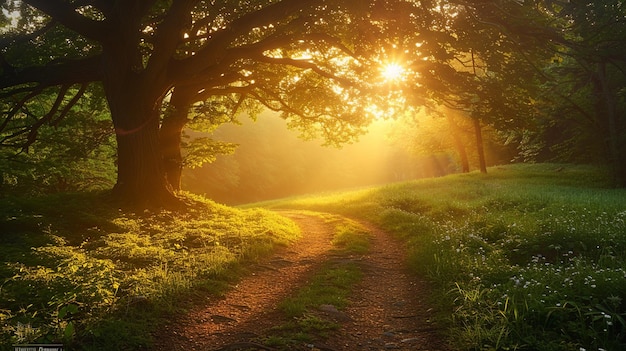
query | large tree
[158, 59]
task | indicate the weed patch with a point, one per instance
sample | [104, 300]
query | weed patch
[86, 275]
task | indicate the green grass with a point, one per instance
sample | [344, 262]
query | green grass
[80, 272]
[525, 257]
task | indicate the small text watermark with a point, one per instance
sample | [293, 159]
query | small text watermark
[38, 347]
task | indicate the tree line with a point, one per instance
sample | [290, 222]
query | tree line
[104, 83]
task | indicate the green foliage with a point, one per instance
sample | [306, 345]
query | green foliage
[80, 272]
[526, 257]
[199, 151]
[580, 102]
[75, 153]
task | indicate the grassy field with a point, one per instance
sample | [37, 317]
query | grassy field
[77, 271]
[525, 257]
[528, 257]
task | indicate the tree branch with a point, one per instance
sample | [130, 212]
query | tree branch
[18, 106]
[69, 105]
[34, 128]
[8, 40]
[169, 34]
[65, 13]
[216, 48]
[305, 65]
[65, 72]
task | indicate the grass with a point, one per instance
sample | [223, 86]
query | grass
[527, 257]
[80, 272]
[524, 257]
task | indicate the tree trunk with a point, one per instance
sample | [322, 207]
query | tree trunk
[141, 178]
[171, 137]
[135, 95]
[478, 132]
[458, 144]
[479, 146]
[615, 136]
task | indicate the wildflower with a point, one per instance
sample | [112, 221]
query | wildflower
[615, 300]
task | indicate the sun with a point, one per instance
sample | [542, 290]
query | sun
[392, 72]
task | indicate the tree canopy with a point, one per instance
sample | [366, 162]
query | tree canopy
[163, 66]
[156, 60]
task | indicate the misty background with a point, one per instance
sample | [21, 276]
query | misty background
[272, 162]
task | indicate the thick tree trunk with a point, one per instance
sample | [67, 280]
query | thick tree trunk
[135, 94]
[141, 178]
[171, 135]
[479, 146]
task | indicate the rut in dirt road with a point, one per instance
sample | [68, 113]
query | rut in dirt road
[387, 309]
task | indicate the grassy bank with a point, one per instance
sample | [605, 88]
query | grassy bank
[525, 257]
[78, 271]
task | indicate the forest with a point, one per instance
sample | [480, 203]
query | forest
[153, 152]
[106, 96]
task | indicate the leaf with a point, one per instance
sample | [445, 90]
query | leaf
[68, 309]
[69, 330]
[62, 312]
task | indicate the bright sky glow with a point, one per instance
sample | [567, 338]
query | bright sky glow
[392, 71]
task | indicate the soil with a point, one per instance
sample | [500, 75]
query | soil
[387, 310]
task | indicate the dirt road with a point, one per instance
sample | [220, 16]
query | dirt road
[387, 311]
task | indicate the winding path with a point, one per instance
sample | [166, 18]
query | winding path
[387, 310]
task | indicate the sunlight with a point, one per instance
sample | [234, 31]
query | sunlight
[392, 71]
[378, 113]
[12, 17]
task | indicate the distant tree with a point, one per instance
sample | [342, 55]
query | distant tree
[557, 68]
[459, 58]
[450, 132]
[586, 90]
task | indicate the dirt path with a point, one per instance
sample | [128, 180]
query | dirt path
[388, 308]
[386, 311]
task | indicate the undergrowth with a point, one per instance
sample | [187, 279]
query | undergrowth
[526, 257]
[80, 272]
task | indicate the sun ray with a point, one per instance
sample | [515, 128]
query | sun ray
[392, 71]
